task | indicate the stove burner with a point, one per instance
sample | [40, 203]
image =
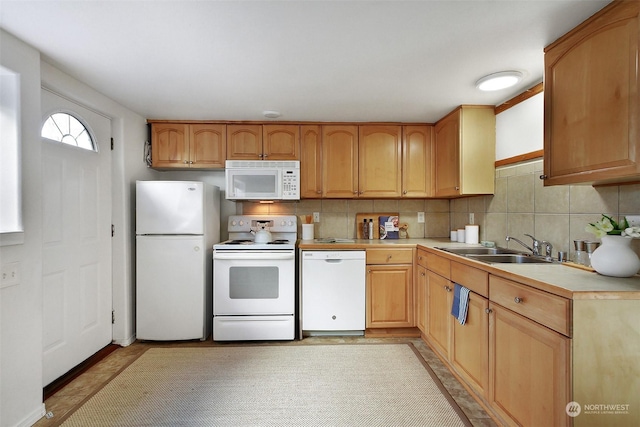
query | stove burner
[278, 242]
[239, 242]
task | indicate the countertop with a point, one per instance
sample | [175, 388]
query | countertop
[554, 278]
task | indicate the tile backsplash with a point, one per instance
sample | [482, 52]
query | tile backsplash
[521, 205]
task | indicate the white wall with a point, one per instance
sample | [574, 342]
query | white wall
[21, 305]
[520, 129]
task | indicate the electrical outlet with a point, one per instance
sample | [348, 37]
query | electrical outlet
[316, 217]
[420, 217]
[472, 218]
[10, 274]
[633, 220]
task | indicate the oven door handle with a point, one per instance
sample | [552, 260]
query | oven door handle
[255, 256]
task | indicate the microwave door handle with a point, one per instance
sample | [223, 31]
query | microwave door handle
[255, 256]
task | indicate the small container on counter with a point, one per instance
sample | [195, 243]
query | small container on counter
[454, 235]
[461, 235]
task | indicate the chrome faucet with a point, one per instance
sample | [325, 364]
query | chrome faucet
[535, 250]
[548, 248]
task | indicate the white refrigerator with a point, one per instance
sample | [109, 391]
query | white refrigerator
[177, 224]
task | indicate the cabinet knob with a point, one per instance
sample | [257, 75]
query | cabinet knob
[265, 156]
[319, 191]
[422, 274]
[355, 192]
[457, 188]
[488, 310]
[185, 162]
[404, 192]
[191, 162]
[518, 300]
[543, 177]
[447, 288]
[389, 257]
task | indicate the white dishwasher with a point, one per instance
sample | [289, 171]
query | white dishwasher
[333, 292]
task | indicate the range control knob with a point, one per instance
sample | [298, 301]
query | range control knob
[233, 223]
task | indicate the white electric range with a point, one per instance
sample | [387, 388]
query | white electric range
[254, 282]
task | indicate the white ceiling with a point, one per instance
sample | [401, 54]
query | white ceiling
[410, 61]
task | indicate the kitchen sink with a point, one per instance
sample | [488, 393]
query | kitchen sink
[479, 251]
[498, 255]
[510, 258]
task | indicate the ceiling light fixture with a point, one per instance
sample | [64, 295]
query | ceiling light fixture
[501, 80]
[271, 114]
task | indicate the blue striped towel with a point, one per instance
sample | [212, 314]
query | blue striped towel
[460, 303]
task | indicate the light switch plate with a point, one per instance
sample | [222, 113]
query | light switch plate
[316, 217]
[9, 274]
[420, 217]
[633, 220]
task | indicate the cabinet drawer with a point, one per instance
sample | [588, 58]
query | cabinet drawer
[390, 256]
[422, 258]
[439, 265]
[472, 278]
[549, 310]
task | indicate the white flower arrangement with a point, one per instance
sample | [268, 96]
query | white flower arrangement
[632, 232]
[607, 226]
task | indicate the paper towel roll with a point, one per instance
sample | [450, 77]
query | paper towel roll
[471, 234]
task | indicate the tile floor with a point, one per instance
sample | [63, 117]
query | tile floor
[95, 377]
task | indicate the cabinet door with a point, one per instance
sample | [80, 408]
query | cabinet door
[281, 142]
[447, 156]
[339, 161]
[417, 157]
[591, 97]
[169, 145]
[470, 346]
[244, 142]
[389, 296]
[439, 300]
[310, 162]
[207, 146]
[421, 298]
[380, 161]
[529, 376]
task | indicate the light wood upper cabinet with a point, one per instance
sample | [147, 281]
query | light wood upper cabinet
[339, 161]
[188, 146]
[207, 146]
[417, 156]
[280, 142]
[465, 147]
[380, 161]
[244, 142]
[310, 162]
[592, 100]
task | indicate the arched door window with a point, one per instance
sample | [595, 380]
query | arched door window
[65, 128]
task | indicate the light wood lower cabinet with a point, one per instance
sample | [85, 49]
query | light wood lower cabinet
[389, 288]
[529, 370]
[439, 319]
[470, 345]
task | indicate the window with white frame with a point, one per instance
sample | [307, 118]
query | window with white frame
[68, 129]
[10, 169]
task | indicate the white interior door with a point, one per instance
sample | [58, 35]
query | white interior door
[76, 249]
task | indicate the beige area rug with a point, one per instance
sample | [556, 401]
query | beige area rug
[314, 385]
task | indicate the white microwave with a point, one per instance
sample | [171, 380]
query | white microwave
[262, 180]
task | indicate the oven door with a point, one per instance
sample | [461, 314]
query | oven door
[253, 283]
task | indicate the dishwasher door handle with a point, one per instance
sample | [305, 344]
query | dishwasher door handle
[334, 260]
